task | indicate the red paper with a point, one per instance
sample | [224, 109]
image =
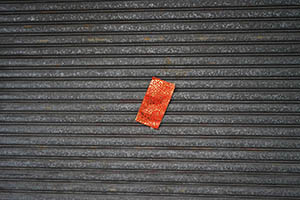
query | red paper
[155, 102]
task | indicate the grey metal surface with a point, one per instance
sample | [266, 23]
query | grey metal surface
[73, 74]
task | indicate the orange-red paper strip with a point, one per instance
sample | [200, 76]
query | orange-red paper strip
[155, 102]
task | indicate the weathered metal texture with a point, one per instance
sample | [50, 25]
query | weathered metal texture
[74, 73]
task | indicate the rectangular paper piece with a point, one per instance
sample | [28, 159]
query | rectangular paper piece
[155, 102]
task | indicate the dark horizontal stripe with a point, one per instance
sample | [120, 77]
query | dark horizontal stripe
[137, 130]
[22, 90]
[131, 196]
[128, 33]
[148, 148]
[149, 176]
[204, 107]
[134, 125]
[179, 118]
[144, 56]
[124, 10]
[27, 24]
[191, 113]
[121, 101]
[199, 50]
[144, 136]
[69, 159]
[26, 195]
[151, 38]
[139, 101]
[264, 13]
[143, 44]
[145, 67]
[142, 182]
[148, 78]
[140, 27]
[146, 10]
[200, 189]
[117, 56]
[151, 61]
[126, 164]
[125, 96]
[219, 15]
[240, 44]
[201, 183]
[16, 84]
[118, 112]
[110, 5]
[140, 153]
[143, 89]
[168, 14]
[145, 74]
[91, 23]
[105, 142]
[53, 34]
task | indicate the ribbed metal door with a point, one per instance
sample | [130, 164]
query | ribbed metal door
[74, 73]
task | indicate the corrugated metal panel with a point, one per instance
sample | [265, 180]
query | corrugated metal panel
[74, 73]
